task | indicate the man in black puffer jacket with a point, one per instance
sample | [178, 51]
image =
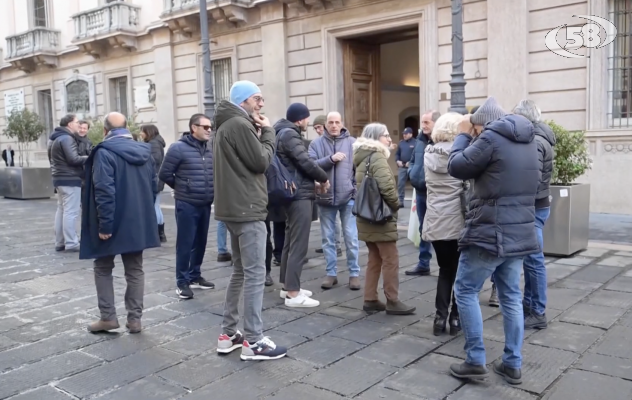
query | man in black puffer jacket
[499, 229]
[293, 154]
[535, 287]
[188, 170]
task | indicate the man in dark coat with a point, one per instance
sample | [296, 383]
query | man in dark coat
[84, 145]
[293, 154]
[188, 169]
[118, 218]
[8, 155]
[499, 229]
[404, 153]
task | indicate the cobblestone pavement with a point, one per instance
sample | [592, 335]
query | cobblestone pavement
[336, 350]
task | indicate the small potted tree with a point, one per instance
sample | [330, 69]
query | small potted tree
[23, 181]
[567, 229]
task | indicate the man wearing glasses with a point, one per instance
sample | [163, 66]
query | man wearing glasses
[188, 170]
[66, 166]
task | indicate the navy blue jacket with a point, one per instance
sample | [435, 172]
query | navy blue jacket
[188, 170]
[503, 162]
[416, 173]
[119, 198]
[405, 150]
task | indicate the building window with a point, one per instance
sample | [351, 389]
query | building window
[45, 111]
[118, 95]
[620, 65]
[40, 13]
[222, 79]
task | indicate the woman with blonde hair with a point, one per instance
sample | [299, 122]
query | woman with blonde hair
[370, 157]
[445, 218]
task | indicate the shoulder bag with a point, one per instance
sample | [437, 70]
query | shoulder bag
[369, 204]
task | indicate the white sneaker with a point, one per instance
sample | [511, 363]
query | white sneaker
[301, 301]
[283, 293]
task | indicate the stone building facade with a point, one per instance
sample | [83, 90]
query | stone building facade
[369, 59]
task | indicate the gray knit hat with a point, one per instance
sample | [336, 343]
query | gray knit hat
[320, 120]
[489, 111]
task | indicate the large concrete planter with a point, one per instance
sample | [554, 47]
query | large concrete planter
[567, 229]
[26, 183]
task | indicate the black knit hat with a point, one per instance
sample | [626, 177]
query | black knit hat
[297, 112]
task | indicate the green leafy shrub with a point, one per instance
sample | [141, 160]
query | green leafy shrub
[572, 157]
[26, 127]
[95, 133]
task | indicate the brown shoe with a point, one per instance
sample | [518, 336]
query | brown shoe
[134, 326]
[354, 283]
[329, 282]
[103, 326]
[373, 306]
[399, 308]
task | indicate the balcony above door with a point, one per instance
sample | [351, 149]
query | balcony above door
[36, 47]
[182, 16]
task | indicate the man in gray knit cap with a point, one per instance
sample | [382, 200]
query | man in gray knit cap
[499, 229]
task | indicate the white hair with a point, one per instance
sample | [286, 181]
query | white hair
[374, 131]
[528, 109]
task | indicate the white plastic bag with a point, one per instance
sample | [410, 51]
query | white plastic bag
[413, 222]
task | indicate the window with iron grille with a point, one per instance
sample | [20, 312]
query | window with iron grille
[222, 78]
[40, 13]
[620, 65]
[118, 95]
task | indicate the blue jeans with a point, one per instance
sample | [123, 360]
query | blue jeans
[476, 265]
[534, 269]
[349, 231]
[424, 247]
[159, 216]
[222, 236]
[192, 223]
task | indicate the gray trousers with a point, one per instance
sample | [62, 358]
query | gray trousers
[402, 178]
[135, 278]
[248, 242]
[297, 226]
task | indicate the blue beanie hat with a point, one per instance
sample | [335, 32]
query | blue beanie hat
[407, 130]
[242, 90]
[297, 112]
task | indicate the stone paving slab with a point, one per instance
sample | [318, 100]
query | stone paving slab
[336, 351]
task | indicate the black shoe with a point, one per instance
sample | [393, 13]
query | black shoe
[319, 251]
[224, 257]
[455, 325]
[535, 321]
[269, 281]
[339, 252]
[201, 283]
[161, 233]
[438, 327]
[184, 291]
[493, 298]
[512, 376]
[401, 205]
[60, 248]
[419, 270]
[469, 371]
[277, 262]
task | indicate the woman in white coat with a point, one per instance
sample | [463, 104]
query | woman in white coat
[445, 218]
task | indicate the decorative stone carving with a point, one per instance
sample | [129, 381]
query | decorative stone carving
[617, 147]
[229, 14]
[78, 96]
[309, 5]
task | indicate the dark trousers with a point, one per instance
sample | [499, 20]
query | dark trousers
[448, 254]
[268, 248]
[278, 232]
[299, 222]
[192, 234]
[135, 278]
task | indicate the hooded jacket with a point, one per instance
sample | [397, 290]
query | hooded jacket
[241, 158]
[119, 198]
[444, 218]
[293, 154]
[545, 139]
[503, 162]
[188, 169]
[158, 155]
[66, 165]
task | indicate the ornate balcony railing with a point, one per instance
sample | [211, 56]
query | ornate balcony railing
[35, 41]
[182, 16]
[110, 18]
[171, 6]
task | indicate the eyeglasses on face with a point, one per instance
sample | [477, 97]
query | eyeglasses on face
[205, 127]
[258, 99]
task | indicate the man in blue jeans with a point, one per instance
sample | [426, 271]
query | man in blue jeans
[188, 169]
[499, 229]
[418, 180]
[404, 153]
[223, 255]
[535, 286]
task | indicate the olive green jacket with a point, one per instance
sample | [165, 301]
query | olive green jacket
[382, 173]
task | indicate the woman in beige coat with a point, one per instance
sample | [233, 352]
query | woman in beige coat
[444, 218]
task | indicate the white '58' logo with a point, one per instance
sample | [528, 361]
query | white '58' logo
[589, 35]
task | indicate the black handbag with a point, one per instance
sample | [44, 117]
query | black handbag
[369, 204]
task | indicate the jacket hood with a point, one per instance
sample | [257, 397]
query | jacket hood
[133, 152]
[513, 127]
[160, 141]
[343, 134]
[542, 129]
[285, 124]
[437, 156]
[84, 139]
[363, 147]
[227, 110]
[59, 131]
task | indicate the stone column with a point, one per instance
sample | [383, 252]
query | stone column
[166, 106]
[274, 51]
[507, 51]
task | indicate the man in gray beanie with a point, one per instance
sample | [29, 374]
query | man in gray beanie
[499, 229]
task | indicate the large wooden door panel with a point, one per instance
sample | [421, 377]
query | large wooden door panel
[361, 78]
